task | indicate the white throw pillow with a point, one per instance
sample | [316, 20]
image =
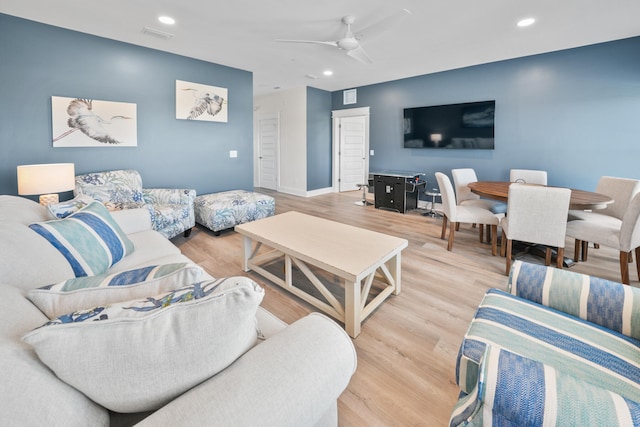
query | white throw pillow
[139, 355]
[90, 291]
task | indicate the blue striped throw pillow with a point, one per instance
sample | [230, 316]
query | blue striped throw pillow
[85, 292]
[89, 239]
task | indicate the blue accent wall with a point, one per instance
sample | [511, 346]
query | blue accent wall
[38, 61]
[318, 139]
[574, 113]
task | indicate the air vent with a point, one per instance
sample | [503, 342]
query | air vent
[156, 33]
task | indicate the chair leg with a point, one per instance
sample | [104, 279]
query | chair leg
[637, 262]
[444, 227]
[452, 230]
[481, 232]
[576, 250]
[508, 253]
[503, 248]
[547, 256]
[585, 250]
[457, 226]
[494, 240]
[624, 267]
[489, 228]
[560, 258]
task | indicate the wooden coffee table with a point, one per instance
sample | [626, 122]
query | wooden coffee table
[357, 256]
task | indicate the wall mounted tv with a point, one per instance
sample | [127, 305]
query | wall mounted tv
[469, 125]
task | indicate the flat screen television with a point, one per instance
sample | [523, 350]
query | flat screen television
[467, 126]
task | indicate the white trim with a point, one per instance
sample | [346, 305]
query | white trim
[336, 115]
[319, 192]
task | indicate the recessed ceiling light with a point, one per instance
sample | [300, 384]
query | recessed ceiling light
[328, 73]
[167, 20]
[526, 22]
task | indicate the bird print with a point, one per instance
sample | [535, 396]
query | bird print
[82, 118]
[205, 102]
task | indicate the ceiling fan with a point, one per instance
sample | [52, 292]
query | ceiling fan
[350, 42]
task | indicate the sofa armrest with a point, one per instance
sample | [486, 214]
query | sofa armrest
[174, 196]
[292, 379]
[132, 220]
[513, 390]
[610, 304]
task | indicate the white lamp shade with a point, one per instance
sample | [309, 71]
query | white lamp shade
[46, 178]
[436, 137]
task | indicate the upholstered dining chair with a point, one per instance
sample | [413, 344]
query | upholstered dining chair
[538, 215]
[625, 238]
[464, 196]
[455, 214]
[621, 190]
[528, 176]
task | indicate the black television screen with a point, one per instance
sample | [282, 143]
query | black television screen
[469, 125]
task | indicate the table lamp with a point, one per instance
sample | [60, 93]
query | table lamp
[47, 180]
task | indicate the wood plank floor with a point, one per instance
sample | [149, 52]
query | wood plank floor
[407, 348]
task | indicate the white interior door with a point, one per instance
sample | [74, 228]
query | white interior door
[352, 153]
[268, 141]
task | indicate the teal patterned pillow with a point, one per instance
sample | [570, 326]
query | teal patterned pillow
[139, 355]
[89, 239]
[66, 208]
[83, 292]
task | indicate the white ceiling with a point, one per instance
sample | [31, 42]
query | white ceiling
[437, 36]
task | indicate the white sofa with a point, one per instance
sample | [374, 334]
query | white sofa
[291, 378]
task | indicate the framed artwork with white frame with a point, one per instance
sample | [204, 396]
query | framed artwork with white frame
[195, 101]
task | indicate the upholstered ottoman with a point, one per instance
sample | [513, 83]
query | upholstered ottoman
[219, 211]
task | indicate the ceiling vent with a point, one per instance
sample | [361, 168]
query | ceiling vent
[156, 33]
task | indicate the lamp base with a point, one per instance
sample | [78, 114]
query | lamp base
[49, 199]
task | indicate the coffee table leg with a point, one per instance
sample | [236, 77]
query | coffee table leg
[352, 311]
[246, 250]
[394, 266]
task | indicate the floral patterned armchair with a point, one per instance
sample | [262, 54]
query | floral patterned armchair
[171, 210]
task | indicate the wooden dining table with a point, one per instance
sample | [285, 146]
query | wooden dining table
[580, 199]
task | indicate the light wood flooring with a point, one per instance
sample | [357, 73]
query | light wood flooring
[408, 346]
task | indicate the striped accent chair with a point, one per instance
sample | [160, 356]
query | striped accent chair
[557, 349]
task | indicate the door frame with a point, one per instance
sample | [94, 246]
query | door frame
[336, 115]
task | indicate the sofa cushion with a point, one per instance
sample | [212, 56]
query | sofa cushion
[31, 393]
[139, 355]
[89, 239]
[21, 250]
[19, 209]
[595, 354]
[85, 292]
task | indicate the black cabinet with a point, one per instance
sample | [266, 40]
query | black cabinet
[398, 193]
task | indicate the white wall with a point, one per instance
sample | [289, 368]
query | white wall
[292, 108]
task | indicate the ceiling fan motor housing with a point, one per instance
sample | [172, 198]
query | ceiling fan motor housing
[348, 43]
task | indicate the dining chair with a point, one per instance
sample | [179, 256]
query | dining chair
[528, 176]
[465, 197]
[537, 215]
[625, 238]
[622, 191]
[455, 214]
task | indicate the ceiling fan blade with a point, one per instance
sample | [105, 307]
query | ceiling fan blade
[382, 25]
[360, 55]
[308, 41]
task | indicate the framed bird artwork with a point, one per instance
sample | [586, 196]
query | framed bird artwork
[81, 122]
[196, 101]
